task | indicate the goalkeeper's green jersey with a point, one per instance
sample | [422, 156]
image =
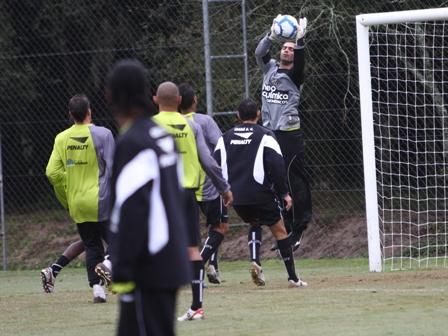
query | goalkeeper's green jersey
[79, 169]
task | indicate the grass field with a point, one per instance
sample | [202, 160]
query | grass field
[343, 298]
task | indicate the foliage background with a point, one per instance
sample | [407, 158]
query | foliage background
[53, 49]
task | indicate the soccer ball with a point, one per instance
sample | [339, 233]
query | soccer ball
[285, 26]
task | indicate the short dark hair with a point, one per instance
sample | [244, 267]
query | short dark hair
[247, 110]
[127, 86]
[186, 91]
[78, 106]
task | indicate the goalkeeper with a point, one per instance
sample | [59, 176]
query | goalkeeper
[282, 82]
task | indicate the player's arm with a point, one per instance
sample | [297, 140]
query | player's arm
[213, 132]
[263, 55]
[56, 174]
[297, 73]
[210, 166]
[109, 149]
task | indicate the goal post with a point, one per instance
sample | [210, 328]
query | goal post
[403, 83]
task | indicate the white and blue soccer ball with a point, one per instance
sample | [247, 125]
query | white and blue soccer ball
[285, 26]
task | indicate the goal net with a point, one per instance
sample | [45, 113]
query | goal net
[403, 72]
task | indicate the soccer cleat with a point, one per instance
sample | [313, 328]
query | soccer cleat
[213, 275]
[99, 295]
[104, 273]
[48, 279]
[192, 315]
[257, 274]
[298, 283]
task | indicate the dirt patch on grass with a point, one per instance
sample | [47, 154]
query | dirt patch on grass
[34, 242]
[341, 237]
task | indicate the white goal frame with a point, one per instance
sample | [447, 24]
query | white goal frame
[363, 22]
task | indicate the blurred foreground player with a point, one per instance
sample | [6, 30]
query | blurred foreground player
[147, 219]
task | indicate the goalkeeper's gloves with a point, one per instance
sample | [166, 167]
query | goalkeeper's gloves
[273, 36]
[301, 30]
[123, 287]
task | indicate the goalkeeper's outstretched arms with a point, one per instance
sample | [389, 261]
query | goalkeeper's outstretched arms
[297, 72]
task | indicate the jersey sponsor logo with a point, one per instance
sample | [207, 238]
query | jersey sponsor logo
[240, 141]
[180, 135]
[80, 139]
[72, 163]
[245, 135]
[273, 95]
[77, 147]
[179, 127]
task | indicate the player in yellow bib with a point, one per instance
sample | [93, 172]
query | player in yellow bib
[194, 154]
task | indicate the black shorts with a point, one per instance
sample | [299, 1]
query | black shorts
[214, 211]
[260, 214]
[192, 217]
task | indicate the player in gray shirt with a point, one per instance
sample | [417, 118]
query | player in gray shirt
[282, 82]
[208, 198]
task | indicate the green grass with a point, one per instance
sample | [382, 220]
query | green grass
[343, 299]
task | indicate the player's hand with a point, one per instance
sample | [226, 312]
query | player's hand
[273, 36]
[301, 29]
[288, 202]
[227, 198]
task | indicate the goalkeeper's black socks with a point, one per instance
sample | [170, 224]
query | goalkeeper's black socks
[211, 244]
[59, 265]
[196, 283]
[254, 242]
[284, 247]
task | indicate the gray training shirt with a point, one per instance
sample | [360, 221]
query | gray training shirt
[280, 95]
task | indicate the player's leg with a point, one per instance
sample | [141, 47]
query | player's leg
[104, 268]
[217, 221]
[49, 274]
[147, 313]
[91, 235]
[249, 214]
[254, 244]
[275, 222]
[297, 219]
[195, 312]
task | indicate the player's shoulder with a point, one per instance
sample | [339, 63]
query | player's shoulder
[61, 136]
[100, 130]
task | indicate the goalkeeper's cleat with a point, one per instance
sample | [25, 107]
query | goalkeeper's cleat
[192, 315]
[257, 274]
[48, 279]
[213, 275]
[104, 273]
[298, 283]
[99, 295]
